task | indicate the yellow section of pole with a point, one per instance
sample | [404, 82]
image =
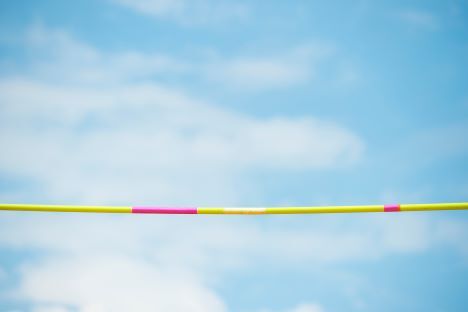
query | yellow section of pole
[324, 209]
[429, 207]
[66, 208]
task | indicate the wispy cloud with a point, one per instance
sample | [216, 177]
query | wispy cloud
[56, 53]
[420, 19]
[281, 70]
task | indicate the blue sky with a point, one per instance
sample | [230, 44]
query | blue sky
[245, 103]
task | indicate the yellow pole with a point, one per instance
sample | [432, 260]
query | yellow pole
[234, 210]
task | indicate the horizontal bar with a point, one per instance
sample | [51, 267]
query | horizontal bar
[236, 210]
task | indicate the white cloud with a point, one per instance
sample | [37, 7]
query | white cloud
[154, 135]
[261, 72]
[56, 54]
[371, 237]
[115, 284]
[296, 66]
[302, 307]
[188, 12]
[50, 308]
[307, 307]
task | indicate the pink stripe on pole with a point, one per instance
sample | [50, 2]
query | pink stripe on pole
[392, 208]
[166, 210]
